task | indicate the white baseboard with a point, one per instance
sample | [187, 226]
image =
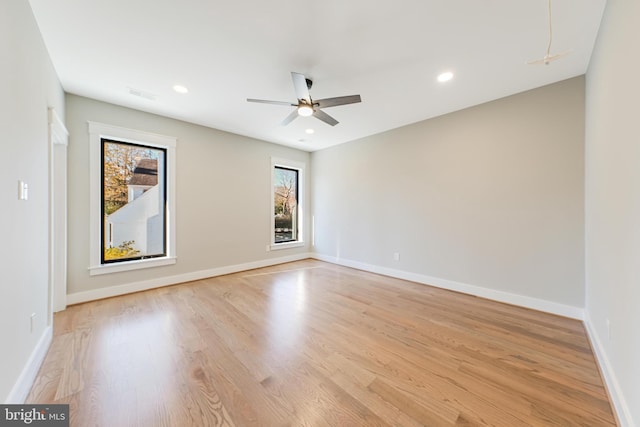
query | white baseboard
[620, 405]
[492, 294]
[23, 385]
[128, 288]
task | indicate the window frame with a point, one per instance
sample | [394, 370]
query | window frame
[98, 132]
[163, 183]
[300, 168]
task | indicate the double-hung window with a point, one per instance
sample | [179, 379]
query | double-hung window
[287, 188]
[132, 191]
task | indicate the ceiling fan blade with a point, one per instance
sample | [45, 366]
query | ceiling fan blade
[300, 86]
[264, 101]
[338, 100]
[319, 114]
[290, 117]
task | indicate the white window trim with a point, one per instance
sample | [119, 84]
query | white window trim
[300, 167]
[97, 131]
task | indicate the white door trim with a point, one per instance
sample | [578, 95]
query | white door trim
[58, 142]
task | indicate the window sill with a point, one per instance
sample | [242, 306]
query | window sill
[286, 245]
[130, 265]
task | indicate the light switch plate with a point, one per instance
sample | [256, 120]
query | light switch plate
[23, 190]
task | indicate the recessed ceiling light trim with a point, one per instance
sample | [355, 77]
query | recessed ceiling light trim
[445, 77]
[309, 131]
[180, 89]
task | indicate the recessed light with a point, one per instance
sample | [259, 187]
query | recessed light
[180, 89]
[445, 77]
[309, 131]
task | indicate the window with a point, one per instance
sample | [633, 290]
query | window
[287, 188]
[132, 192]
[285, 194]
[133, 201]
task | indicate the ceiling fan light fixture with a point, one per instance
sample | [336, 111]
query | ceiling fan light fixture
[305, 110]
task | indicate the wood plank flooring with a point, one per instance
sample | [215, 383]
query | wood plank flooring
[314, 344]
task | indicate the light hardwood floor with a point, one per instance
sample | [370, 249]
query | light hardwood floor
[314, 344]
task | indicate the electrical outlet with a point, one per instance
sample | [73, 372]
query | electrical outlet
[268, 248]
[396, 256]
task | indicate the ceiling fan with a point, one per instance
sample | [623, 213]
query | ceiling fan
[306, 106]
[548, 57]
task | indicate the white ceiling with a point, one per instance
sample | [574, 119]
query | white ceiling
[389, 52]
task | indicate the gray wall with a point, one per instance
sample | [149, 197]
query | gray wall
[223, 195]
[491, 196]
[30, 87]
[613, 201]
